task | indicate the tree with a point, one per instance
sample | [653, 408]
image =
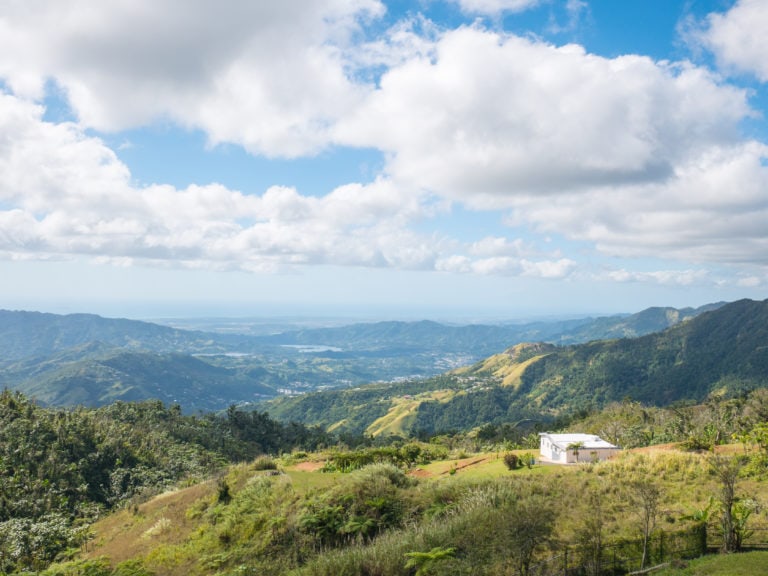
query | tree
[645, 495]
[732, 519]
[528, 460]
[531, 526]
[575, 447]
[511, 461]
[590, 538]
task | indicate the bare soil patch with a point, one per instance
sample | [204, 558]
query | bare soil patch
[309, 466]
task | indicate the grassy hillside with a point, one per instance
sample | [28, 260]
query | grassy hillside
[299, 520]
[746, 564]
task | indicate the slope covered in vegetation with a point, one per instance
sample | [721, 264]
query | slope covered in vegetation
[59, 469]
[86, 359]
[724, 351]
[456, 504]
[380, 519]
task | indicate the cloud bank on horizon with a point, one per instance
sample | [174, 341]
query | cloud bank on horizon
[621, 157]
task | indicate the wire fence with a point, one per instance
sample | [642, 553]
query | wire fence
[756, 538]
[626, 556]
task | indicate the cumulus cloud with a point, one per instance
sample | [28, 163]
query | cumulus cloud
[268, 76]
[664, 277]
[517, 116]
[63, 193]
[737, 38]
[495, 6]
[508, 266]
[711, 210]
[635, 157]
[499, 256]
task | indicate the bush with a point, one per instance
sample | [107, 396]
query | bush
[223, 492]
[527, 460]
[511, 461]
[264, 463]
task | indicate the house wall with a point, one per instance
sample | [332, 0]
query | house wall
[552, 451]
[587, 455]
[549, 450]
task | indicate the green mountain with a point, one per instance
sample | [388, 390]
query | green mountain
[96, 375]
[648, 321]
[90, 360]
[723, 351]
[35, 334]
[482, 339]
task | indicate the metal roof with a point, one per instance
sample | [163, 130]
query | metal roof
[588, 441]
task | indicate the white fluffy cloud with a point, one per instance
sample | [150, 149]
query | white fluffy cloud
[266, 75]
[639, 158]
[665, 277]
[495, 6]
[635, 157]
[508, 266]
[738, 38]
[63, 194]
[712, 209]
[491, 117]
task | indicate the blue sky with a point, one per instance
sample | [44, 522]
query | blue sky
[435, 159]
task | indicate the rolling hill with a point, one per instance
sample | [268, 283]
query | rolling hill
[32, 334]
[90, 360]
[722, 351]
[95, 375]
[483, 339]
[36, 334]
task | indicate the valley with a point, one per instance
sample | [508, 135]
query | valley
[89, 360]
[388, 448]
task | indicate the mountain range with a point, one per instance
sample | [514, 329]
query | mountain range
[90, 360]
[721, 352]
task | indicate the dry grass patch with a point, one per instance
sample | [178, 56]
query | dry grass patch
[134, 531]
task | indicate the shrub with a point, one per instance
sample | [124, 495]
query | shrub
[224, 495]
[511, 461]
[527, 460]
[264, 463]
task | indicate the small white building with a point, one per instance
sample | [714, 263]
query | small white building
[572, 448]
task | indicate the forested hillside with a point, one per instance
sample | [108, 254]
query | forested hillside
[480, 339]
[85, 359]
[94, 375]
[723, 351]
[60, 469]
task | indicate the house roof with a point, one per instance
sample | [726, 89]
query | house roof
[588, 441]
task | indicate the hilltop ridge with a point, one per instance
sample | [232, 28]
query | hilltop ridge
[722, 351]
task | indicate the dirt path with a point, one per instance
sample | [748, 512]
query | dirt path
[466, 463]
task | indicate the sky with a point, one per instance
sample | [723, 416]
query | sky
[426, 159]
